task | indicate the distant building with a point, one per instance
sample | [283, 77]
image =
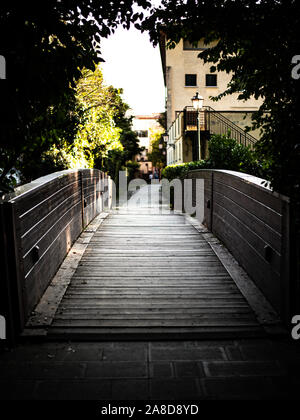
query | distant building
[184, 75]
[142, 124]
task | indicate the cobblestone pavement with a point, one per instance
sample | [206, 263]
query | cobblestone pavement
[198, 370]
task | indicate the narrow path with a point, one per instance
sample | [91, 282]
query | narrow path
[147, 274]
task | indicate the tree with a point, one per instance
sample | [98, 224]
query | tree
[128, 137]
[96, 143]
[101, 130]
[98, 133]
[106, 134]
[163, 120]
[46, 44]
[156, 155]
[256, 41]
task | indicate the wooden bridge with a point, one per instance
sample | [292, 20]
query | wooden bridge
[75, 268]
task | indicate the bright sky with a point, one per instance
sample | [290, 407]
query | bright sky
[133, 64]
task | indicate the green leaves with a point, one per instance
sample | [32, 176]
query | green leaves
[256, 43]
[46, 44]
[180, 171]
[156, 154]
[224, 153]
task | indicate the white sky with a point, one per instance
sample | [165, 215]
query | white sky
[133, 64]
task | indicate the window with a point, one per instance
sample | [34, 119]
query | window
[211, 80]
[190, 80]
[142, 133]
[197, 45]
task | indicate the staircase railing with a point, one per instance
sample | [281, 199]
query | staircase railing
[210, 120]
[217, 123]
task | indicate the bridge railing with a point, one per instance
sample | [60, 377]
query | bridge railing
[254, 223]
[39, 223]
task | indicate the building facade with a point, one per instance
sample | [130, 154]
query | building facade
[184, 75]
[142, 125]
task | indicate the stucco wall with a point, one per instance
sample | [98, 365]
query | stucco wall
[243, 120]
[143, 123]
[180, 62]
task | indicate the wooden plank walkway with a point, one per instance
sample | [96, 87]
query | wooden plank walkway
[146, 275]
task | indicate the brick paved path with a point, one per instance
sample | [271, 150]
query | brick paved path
[184, 370]
[251, 369]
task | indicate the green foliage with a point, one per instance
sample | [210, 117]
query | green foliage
[46, 44]
[97, 134]
[180, 171]
[107, 131]
[128, 138]
[163, 120]
[132, 168]
[11, 180]
[98, 140]
[112, 164]
[174, 171]
[104, 138]
[245, 32]
[224, 153]
[35, 165]
[156, 155]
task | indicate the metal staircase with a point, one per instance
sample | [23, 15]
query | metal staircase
[216, 123]
[211, 121]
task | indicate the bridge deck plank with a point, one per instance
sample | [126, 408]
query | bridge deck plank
[151, 273]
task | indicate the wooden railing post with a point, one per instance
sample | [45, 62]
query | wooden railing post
[286, 285]
[294, 257]
[211, 206]
[82, 199]
[11, 286]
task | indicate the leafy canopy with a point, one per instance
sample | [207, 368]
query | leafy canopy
[103, 138]
[224, 153]
[156, 155]
[255, 41]
[97, 134]
[46, 44]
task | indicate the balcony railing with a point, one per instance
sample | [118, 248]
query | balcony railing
[191, 119]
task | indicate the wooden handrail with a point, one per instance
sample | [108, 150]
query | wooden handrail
[40, 221]
[254, 223]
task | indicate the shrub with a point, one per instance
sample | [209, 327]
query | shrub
[224, 153]
[179, 171]
[198, 164]
[174, 171]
